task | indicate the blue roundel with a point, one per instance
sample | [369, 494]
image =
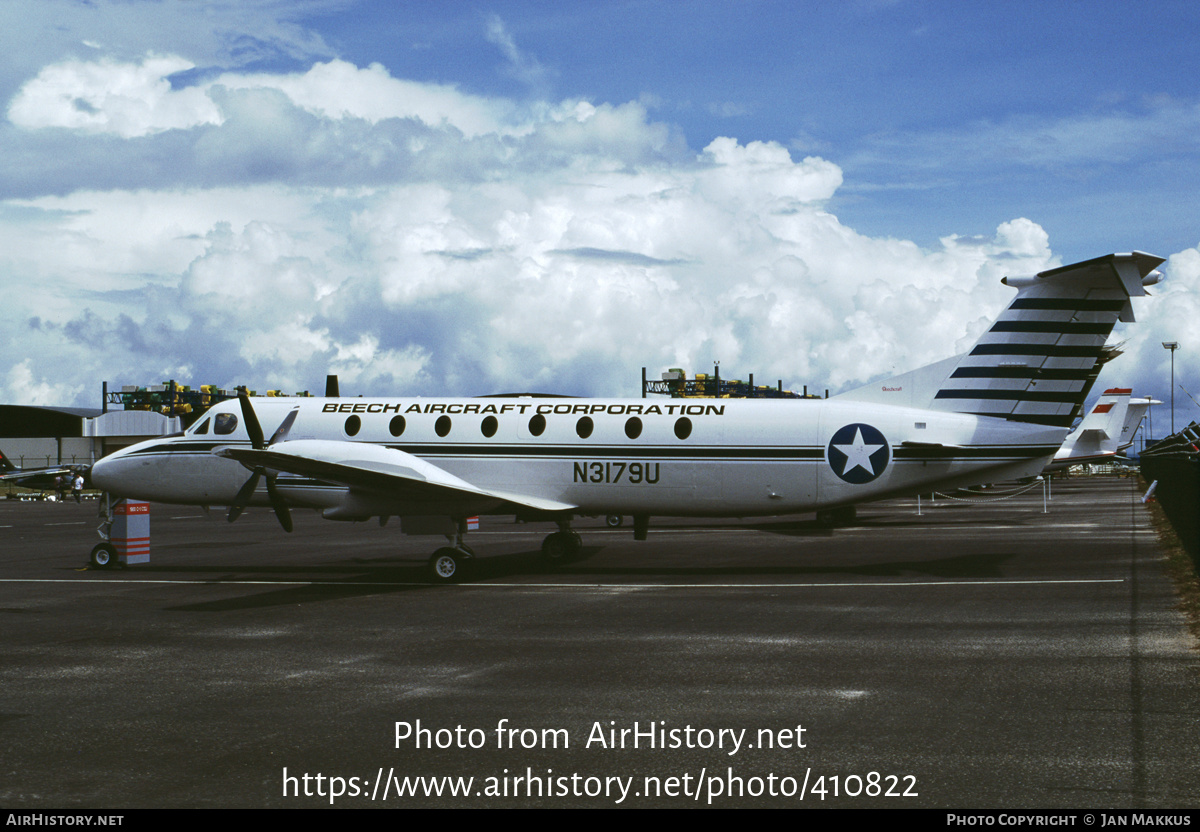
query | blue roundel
[858, 453]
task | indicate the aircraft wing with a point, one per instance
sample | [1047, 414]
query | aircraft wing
[27, 473]
[380, 471]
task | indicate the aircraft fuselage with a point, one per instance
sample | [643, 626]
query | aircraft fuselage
[679, 457]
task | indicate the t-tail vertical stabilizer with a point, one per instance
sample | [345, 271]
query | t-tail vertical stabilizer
[1098, 437]
[1038, 360]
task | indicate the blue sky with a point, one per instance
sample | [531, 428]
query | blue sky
[944, 116]
[466, 197]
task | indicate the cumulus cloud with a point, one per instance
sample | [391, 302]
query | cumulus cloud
[106, 96]
[23, 386]
[420, 240]
[132, 99]
[338, 89]
[1170, 314]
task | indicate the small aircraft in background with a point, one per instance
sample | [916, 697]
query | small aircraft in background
[997, 412]
[41, 479]
[1105, 432]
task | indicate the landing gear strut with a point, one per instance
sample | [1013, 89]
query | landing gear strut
[104, 554]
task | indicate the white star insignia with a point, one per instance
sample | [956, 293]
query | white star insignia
[858, 454]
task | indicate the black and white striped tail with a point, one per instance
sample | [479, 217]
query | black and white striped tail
[1039, 359]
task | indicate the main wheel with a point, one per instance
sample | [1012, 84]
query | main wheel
[447, 565]
[104, 556]
[832, 518]
[561, 547]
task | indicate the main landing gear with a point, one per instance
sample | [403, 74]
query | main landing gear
[452, 563]
[832, 518]
[563, 546]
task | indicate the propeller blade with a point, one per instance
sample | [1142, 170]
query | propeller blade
[280, 505]
[256, 440]
[243, 496]
[252, 426]
[281, 432]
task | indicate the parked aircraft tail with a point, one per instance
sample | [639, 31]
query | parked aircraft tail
[1098, 437]
[1133, 419]
[1039, 359]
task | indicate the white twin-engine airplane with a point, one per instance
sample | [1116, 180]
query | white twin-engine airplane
[997, 412]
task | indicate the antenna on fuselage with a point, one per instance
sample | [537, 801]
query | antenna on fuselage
[331, 386]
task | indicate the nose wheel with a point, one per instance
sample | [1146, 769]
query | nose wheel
[103, 556]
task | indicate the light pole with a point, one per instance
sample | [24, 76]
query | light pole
[1149, 415]
[1172, 346]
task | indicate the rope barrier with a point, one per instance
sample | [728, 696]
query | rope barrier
[1007, 496]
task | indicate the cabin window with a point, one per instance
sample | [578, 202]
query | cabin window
[584, 427]
[633, 427]
[396, 426]
[442, 425]
[537, 425]
[203, 427]
[683, 427]
[353, 425]
[224, 424]
[489, 426]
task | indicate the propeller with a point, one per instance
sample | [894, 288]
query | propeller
[254, 428]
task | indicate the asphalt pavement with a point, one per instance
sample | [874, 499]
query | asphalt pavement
[980, 654]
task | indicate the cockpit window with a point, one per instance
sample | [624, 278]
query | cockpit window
[203, 427]
[225, 423]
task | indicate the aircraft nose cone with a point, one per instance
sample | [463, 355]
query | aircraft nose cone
[114, 474]
[104, 474]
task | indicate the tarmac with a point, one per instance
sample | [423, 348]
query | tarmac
[975, 655]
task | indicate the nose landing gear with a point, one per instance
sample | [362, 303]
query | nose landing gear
[104, 556]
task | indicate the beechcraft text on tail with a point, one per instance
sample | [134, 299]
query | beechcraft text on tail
[999, 411]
